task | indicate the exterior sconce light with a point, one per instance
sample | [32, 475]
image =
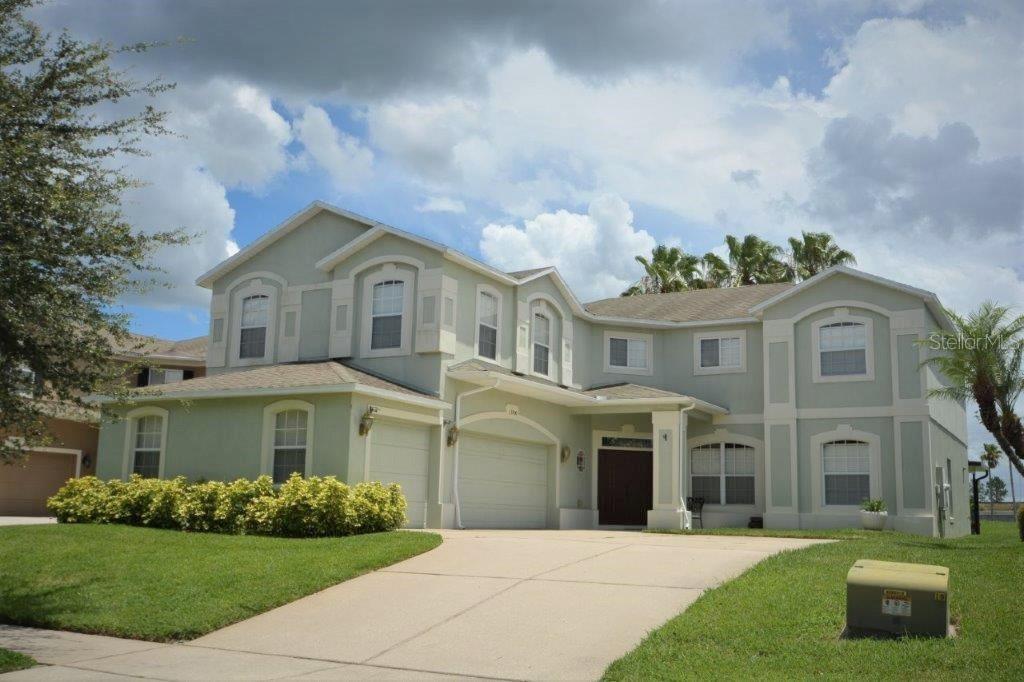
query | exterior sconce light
[453, 436]
[366, 422]
[581, 460]
[86, 461]
[565, 454]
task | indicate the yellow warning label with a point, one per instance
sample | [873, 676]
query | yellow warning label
[896, 603]
[940, 596]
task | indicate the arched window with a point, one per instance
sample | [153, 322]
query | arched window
[842, 348]
[388, 304]
[846, 467]
[723, 473]
[541, 344]
[255, 314]
[290, 444]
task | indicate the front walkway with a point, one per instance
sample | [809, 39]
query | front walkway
[491, 604]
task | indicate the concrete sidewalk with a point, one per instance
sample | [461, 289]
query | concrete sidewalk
[486, 604]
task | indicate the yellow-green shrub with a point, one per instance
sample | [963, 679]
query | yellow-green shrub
[303, 507]
[235, 498]
[145, 501]
[81, 500]
[376, 507]
[197, 508]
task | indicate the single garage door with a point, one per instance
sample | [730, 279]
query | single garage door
[24, 486]
[502, 483]
[399, 454]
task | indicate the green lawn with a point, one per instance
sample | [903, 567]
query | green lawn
[782, 618]
[163, 585]
[12, 660]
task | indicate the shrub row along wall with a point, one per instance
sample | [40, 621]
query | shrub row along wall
[301, 507]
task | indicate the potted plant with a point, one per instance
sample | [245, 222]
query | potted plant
[873, 514]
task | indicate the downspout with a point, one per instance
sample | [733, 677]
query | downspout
[682, 461]
[456, 418]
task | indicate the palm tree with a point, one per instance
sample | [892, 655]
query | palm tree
[712, 272]
[756, 261]
[982, 359]
[817, 251]
[669, 269]
[990, 455]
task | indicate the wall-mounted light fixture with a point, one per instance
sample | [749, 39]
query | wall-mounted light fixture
[86, 461]
[565, 453]
[581, 460]
[453, 435]
[366, 422]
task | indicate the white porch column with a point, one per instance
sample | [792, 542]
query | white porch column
[669, 469]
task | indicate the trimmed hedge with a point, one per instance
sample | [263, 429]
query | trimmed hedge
[300, 508]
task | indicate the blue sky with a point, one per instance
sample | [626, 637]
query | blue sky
[580, 134]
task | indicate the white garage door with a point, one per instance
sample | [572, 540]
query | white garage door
[399, 454]
[502, 483]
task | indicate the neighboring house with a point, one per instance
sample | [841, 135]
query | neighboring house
[25, 485]
[341, 346]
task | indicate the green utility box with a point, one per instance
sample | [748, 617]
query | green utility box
[884, 596]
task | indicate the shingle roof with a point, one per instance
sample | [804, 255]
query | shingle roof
[484, 366]
[186, 349]
[629, 391]
[294, 375]
[689, 306]
[523, 274]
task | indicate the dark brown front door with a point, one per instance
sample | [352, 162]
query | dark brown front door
[625, 481]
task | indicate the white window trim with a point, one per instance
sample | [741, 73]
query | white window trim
[869, 348]
[636, 336]
[722, 436]
[387, 273]
[843, 432]
[702, 336]
[542, 310]
[150, 370]
[131, 419]
[485, 288]
[255, 287]
[270, 413]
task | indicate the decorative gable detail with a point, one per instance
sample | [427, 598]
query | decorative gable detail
[342, 299]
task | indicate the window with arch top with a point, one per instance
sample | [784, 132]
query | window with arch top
[255, 317]
[387, 306]
[541, 344]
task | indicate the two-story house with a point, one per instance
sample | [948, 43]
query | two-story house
[342, 346]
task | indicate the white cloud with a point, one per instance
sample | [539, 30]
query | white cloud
[346, 160]
[441, 205]
[593, 251]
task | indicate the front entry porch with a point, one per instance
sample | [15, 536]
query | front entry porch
[625, 483]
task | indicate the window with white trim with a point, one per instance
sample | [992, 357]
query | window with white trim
[846, 467]
[146, 445]
[487, 314]
[842, 348]
[386, 314]
[723, 352]
[255, 318]
[630, 353]
[723, 473]
[290, 444]
[159, 376]
[541, 343]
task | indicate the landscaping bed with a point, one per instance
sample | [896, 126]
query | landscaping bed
[160, 585]
[783, 617]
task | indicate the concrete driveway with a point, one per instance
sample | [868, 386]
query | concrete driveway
[490, 604]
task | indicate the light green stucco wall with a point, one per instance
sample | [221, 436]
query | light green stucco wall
[946, 448]
[219, 439]
[781, 458]
[315, 324]
[912, 447]
[842, 288]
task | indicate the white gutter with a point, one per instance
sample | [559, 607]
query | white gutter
[456, 417]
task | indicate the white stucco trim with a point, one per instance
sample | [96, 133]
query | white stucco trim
[761, 491]
[267, 440]
[128, 453]
[388, 273]
[840, 315]
[77, 454]
[254, 287]
[500, 304]
[629, 335]
[843, 432]
[720, 334]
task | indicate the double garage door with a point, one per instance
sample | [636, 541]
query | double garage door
[502, 483]
[25, 486]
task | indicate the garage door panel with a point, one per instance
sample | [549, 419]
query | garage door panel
[502, 483]
[25, 487]
[400, 453]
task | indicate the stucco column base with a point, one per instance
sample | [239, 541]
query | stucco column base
[789, 520]
[668, 519]
[577, 519]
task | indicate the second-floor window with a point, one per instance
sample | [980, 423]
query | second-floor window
[253, 338]
[627, 353]
[843, 349]
[386, 324]
[487, 343]
[541, 344]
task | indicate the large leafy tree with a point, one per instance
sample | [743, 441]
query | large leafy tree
[815, 252]
[66, 251]
[756, 261]
[981, 359]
